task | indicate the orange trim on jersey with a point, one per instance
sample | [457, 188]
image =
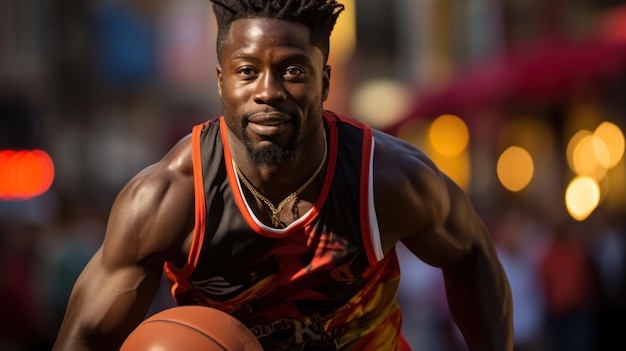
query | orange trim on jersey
[200, 205]
[310, 215]
[200, 202]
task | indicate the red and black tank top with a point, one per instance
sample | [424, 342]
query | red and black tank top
[322, 283]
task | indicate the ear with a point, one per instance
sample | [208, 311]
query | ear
[218, 70]
[325, 82]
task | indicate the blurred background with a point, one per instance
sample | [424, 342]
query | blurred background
[522, 102]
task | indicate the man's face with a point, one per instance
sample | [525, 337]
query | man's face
[272, 82]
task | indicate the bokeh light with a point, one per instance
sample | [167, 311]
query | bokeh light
[366, 102]
[515, 168]
[24, 174]
[588, 157]
[582, 197]
[572, 144]
[592, 154]
[613, 139]
[448, 135]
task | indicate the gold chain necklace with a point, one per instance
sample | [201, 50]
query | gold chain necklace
[276, 210]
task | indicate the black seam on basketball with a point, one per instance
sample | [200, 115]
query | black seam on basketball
[189, 326]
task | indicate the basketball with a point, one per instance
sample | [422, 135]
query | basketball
[193, 328]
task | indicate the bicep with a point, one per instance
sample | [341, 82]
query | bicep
[453, 229]
[418, 204]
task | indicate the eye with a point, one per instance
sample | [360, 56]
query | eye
[246, 73]
[294, 72]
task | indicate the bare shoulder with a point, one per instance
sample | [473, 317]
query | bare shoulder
[409, 190]
[153, 214]
[421, 206]
[403, 157]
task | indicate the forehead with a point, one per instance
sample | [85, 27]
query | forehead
[253, 35]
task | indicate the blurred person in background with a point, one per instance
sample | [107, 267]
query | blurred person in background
[426, 319]
[518, 248]
[568, 281]
[282, 212]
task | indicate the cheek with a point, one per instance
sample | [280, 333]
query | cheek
[307, 96]
[234, 96]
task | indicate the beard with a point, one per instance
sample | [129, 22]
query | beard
[275, 153]
[271, 155]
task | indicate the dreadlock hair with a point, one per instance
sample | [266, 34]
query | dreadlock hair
[317, 15]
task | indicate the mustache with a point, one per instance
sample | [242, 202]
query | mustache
[246, 116]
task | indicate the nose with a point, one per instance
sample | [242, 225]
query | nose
[270, 89]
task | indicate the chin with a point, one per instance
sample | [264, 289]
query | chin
[271, 155]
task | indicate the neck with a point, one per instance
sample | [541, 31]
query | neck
[276, 182]
[274, 211]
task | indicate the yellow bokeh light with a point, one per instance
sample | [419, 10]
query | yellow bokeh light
[448, 135]
[587, 155]
[613, 139]
[515, 168]
[572, 144]
[601, 151]
[582, 197]
[456, 167]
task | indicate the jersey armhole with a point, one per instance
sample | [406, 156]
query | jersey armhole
[369, 220]
[199, 203]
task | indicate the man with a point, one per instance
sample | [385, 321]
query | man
[285, 215]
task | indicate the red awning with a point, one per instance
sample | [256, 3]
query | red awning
[543, 71]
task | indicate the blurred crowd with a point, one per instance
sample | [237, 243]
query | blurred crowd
[568, 282]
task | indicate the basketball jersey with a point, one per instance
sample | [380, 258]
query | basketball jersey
[321, 283]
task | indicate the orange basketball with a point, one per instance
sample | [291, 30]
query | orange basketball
[191, 328]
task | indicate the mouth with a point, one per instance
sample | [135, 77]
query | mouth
[268, 124]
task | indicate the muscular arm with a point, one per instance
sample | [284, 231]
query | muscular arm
[476, 286]
[148, 224]
[436, 221]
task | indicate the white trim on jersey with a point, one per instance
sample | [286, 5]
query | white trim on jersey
[374, 230]
[254, 217]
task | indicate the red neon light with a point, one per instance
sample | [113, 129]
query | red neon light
[24, 174]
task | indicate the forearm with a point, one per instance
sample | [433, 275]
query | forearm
[480, 302]
[104, 307]
[81, 332]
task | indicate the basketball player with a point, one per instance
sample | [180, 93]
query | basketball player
[285, 215]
